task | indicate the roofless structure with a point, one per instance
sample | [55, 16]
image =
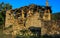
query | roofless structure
[32, 17]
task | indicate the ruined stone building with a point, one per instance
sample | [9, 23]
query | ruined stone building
[31, 16]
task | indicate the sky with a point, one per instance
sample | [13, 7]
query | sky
[55, 4]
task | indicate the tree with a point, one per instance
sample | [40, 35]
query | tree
[56, 16]
[3, 8]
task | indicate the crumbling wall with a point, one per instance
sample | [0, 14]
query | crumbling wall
[50, 28]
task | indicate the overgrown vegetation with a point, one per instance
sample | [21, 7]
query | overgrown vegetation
[3, 8]
[43, 36]
[56, 16]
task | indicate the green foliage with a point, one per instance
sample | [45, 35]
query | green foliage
[3, 8]
[1, 19]
[42, 36]
[56, 16]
